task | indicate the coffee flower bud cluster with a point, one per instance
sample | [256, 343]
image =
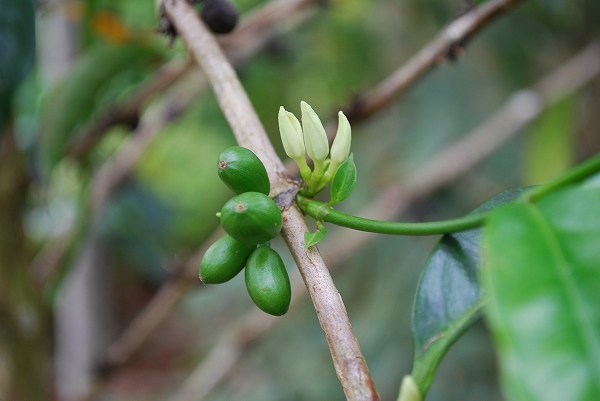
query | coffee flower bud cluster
[310, 138]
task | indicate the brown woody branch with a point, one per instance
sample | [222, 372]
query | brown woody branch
[349, 363]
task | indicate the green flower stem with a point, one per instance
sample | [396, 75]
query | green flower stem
[320, 211]
[576, 174]
[319, 167]
[315, 178]
[305, 171]
[328, 176]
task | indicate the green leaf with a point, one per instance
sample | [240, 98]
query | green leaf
[551, 137]
[311, 239]
[17, 49]
[343, 181]
[542, 274]
[73, 103]
[449, 298]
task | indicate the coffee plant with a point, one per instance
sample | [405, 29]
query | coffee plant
[115, 229]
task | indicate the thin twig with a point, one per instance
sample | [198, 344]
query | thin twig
[158, 309]
[441, 170]
[445, 45]
[224, 355]
[517, 112]
[115, 170]
[127, 112]
[254, 32]
[349, 363]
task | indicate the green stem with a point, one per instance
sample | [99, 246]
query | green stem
[305, 171]
[315, 178]
[328, 176]
[320, 211]
[576, 174]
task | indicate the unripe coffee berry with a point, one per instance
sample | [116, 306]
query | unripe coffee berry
[252, 218]
[223, 260]
[242, 171]
[267, 281]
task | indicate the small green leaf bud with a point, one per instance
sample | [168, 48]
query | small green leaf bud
[315, 138]
[409, 390]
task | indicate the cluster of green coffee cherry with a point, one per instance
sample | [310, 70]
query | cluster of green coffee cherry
[252, 219]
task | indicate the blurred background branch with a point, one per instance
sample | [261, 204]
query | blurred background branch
[447, 45]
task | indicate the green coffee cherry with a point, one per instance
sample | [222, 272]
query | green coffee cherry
[223, 260]
[251, 218]
[268, 282]
[242, 171]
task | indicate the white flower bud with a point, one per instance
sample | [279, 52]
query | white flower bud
[293, 140]
[340, 149]
[315, 138]
[291, 134]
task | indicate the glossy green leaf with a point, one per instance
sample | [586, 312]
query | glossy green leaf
[71, 104]
[449, 299]
[542, 275]
[17, 49]
[311, 239]
[343, 181]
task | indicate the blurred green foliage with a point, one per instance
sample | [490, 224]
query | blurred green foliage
[167, 207]
[189, 147]
[17, 50]
[549, 145]
[95, 82]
